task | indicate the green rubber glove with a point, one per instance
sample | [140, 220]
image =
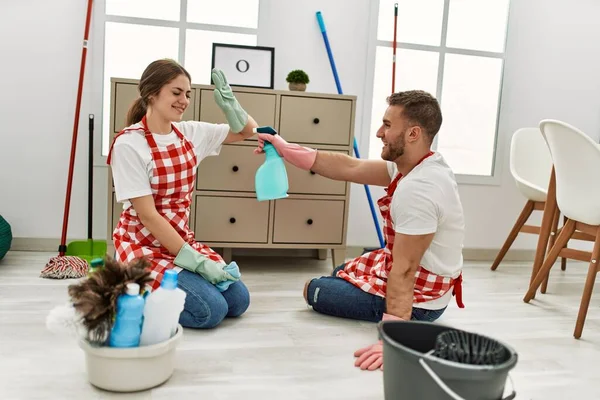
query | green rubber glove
[190, 259]
[236, 117]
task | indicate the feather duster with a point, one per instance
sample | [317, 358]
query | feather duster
[64, 319]
[95, 298]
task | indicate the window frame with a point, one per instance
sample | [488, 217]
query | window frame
[500, 140]
[96, 56]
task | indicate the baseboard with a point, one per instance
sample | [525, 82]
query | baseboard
[49, 245]
[35, 244]
[472, 254]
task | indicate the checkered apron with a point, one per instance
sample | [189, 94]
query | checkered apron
[370, 271]
[172, 184]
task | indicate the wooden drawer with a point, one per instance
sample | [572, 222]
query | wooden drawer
[315, 120]
[309, 221]
[307, 182]
[260, 106]
[232, 170]
[126, 93]
[231, 219]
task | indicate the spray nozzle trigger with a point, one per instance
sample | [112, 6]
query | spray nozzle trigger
[265, 129]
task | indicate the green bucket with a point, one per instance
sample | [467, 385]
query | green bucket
[87, 249]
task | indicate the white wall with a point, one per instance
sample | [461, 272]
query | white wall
[41, 52]
[550, 72]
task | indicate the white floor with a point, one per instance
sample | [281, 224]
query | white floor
[281, 350]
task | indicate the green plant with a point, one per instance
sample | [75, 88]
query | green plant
[297, 76]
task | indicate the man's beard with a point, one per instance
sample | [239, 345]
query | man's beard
[393, 150]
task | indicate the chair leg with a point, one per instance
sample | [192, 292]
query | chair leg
[587, 290]
[560, 243]
[563, 262]
[550, 244]
[523, 217]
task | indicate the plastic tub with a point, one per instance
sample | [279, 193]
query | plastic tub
[131, 369]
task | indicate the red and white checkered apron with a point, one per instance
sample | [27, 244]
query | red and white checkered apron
[172, 183]
[370, 271]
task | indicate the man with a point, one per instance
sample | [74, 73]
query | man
[417, 272]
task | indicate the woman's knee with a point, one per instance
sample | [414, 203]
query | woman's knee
[203, 312]
[237, 298]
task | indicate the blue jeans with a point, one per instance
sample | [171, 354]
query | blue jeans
[205, 306]
[335, 296]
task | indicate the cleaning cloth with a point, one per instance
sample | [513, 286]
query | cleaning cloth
[234, 271]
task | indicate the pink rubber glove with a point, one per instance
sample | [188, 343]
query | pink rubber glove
[301, 157]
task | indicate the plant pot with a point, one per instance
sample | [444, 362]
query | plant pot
[300, 87]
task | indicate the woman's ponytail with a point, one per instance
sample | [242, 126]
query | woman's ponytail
[136, 112]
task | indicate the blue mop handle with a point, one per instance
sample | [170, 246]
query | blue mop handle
[339, 89]
[329, 54]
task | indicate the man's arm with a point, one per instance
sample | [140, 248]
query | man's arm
[333, 165]
[407, 254]
[341, 167]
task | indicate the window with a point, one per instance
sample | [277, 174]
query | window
[453, 49]
[136, 32]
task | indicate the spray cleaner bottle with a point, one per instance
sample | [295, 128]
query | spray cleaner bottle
[271, 180]
[128, 322]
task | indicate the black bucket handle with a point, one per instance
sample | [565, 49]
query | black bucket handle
[453, 394]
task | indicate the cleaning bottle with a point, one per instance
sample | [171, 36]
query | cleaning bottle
[271, 180]
[128, 322]
[95, 265]
[162, 310]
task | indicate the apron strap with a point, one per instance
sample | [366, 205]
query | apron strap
[457, 291]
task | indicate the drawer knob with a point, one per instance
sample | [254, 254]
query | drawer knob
[316, 120]
[310, 221]
[312, 172]
[232, 220]
[235, 168]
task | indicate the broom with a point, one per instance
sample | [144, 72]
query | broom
[62, 266]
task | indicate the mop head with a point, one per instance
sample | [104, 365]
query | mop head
[469, 348]
[95, 298]
[65, 267]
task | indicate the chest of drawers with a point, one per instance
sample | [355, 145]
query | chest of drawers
[225, 213]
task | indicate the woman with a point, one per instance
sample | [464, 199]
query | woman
[154, 162]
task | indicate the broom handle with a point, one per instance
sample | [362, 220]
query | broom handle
[90, 173]
[63, 247]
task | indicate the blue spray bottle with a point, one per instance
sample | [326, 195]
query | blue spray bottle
[271, 180]
[127, 328]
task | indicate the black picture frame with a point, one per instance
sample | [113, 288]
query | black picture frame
[265, 55]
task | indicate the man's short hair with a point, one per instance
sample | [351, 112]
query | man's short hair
[420, 108]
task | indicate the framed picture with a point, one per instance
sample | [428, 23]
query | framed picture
[249, 66]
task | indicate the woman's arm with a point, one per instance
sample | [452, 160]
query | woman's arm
[246, 133]
[158, 226]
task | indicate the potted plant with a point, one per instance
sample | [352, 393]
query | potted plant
[297, 80]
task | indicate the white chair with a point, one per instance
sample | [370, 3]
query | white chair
[530, 166]
[576, 160]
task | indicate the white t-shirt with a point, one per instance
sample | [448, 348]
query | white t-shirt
[131, 162]
[426, 200]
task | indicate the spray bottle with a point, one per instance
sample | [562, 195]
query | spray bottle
[128, 322]
[271, 180]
